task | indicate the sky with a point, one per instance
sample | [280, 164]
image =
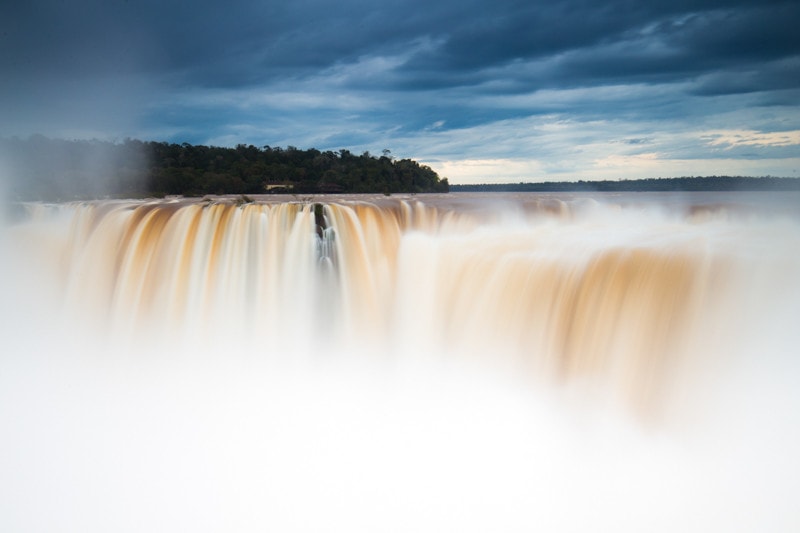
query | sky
[480, 90]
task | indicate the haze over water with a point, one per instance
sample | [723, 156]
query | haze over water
[407, 363]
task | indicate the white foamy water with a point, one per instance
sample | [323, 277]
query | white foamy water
[441, 363]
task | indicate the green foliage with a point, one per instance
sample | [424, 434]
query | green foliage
[63, 170]
[252, 170]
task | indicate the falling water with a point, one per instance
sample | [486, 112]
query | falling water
[559, 363]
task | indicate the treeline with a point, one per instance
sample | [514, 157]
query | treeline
[688, 183]
[197, 170]
[49, 169]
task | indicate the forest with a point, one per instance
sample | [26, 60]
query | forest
[40, 168]
[687, 183]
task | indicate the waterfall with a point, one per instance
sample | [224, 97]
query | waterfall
[458, 354]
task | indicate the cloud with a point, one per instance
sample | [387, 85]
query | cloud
[561, 84]
[570, 44]
[735, 138]
[492, 170]
[245, 42]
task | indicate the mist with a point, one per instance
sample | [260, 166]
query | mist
[560, 363]
[44, 169]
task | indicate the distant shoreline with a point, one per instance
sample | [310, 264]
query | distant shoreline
[704, 183]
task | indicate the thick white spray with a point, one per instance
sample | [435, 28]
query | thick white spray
[544, 363]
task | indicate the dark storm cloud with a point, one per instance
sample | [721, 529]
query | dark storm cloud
[570, 45]
[532, 44]
[355, 72]
[211, 43]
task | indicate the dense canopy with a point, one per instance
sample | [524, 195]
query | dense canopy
[47, 169]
